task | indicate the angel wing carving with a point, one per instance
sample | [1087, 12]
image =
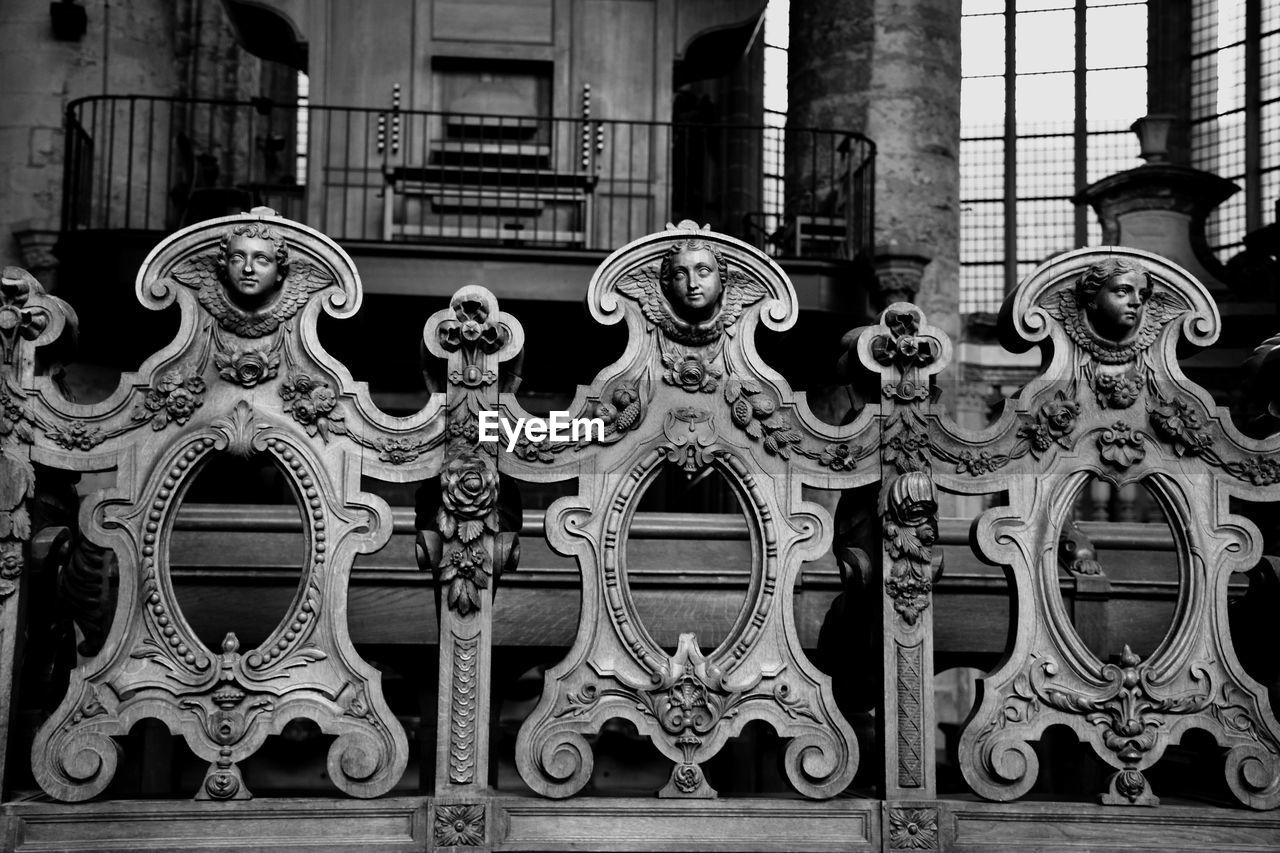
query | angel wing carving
[643, 286]
[740, 291]
[202, 274]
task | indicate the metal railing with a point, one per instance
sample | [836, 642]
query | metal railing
[156, 164]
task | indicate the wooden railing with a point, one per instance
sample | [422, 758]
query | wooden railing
[689, 628]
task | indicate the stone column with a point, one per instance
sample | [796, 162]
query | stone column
[891, 70]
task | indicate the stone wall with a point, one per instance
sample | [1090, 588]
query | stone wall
[140, 47]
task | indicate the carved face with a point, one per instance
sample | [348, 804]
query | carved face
[253, 276]
[1117, 306]
[695, 286]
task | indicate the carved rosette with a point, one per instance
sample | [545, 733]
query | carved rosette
[201, 398]
[459, 825]
[1121, 409]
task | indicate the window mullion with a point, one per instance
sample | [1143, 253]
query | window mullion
[1081, 127]
[1010, 148]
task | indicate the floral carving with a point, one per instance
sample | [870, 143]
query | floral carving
[77, 436]
[10, 570]
[247, 367]
[913, 829]
[977, 463]
[1052, 424]
[459, 826]
[471, 326]
[400, 451]
[1258, 470]
[313, 404]
[13, 417]
[840, 457]
[909, 525]
[1121, 445]
[1117, 390]
[174, 397]
[466, 571]
[469, 491]
[1180, 423]
[690, 373]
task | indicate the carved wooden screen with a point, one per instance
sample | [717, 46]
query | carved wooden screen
[691, 390]
[1113, 404]
[245, 375]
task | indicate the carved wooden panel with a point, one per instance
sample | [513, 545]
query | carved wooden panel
[28, 318]
[1112, 404]
[245, 375]
[690, 390]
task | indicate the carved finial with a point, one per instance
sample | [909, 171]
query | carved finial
[230, 643]
[689, 225]
[1128, 658]
[263, 210]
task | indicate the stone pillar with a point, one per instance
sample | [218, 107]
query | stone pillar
[891, 70]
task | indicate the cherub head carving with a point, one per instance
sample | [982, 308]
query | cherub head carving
[1115, 310]
[1112, 293]
[253, 261]
[693, 276]
[692, 296]
[251, 283]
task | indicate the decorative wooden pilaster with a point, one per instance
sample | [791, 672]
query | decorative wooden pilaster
[28, 318]
[906, 352]
[474, 338]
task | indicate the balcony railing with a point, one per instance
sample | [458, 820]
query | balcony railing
[155, 164]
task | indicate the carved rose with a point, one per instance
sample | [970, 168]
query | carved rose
[913, 829]
[469, 488]
[1052, 424]
[313, 404]
[169, 381]
[1179, 423]
[181, 404]
[172, 398]
[459, 826]
[839, 457]
[247, 367]
[690, 374]
[1060, 416]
